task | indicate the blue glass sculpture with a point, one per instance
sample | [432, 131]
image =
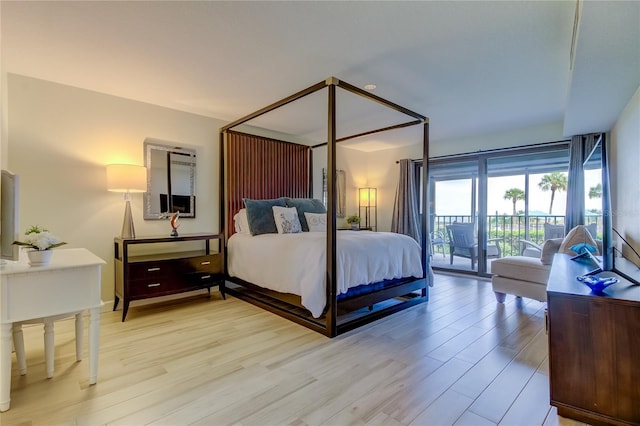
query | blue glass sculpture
[597, 284]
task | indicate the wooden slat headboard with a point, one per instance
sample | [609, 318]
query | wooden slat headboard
[260, 168]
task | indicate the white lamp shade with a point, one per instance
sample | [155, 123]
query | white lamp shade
[368, 197]
[126, 178]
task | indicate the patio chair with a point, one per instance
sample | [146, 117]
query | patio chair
[437, 240]
[462, 242]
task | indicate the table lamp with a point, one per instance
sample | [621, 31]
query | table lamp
[127, 178]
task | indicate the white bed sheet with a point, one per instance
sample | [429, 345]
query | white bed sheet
[295, 263]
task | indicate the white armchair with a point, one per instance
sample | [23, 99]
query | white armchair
[525, 276]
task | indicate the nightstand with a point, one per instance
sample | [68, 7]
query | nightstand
[147, 267]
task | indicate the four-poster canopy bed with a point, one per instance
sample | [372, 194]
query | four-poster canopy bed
[258, 173]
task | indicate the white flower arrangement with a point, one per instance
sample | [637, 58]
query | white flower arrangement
[38, 238]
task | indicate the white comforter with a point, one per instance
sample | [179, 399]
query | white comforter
[295, 263]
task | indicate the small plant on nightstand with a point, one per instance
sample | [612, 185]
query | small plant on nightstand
[354, 221]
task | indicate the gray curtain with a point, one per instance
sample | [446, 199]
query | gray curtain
[406, 215]
[579, 150]
[575, 185]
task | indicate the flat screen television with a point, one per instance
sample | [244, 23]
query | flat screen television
[9, 218]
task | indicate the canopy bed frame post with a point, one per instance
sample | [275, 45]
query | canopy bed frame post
[222, 226]
[426, 211]
[331, 316]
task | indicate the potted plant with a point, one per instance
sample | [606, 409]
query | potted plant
[354, 221]
[40, 241]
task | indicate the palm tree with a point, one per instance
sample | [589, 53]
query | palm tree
[515, 195]
[595, 191]
[556, 181]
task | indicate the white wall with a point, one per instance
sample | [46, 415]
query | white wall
[377, 169]
[625, 175]
[550, 132]
[59, 140]
[3, 108]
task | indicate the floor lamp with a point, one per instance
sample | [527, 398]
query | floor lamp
[127, 178]
[368, 205]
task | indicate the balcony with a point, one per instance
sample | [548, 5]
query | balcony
[510, 230]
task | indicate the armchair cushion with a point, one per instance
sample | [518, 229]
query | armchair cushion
[521, 268]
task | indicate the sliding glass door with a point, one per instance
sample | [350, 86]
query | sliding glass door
[526, 197]
[505, 197]
[454, 192]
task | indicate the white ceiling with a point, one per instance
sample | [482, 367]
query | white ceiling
[472, 67]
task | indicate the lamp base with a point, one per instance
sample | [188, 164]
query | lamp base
[127, 225]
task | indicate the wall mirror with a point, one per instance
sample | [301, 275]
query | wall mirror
[341, 179]
[171, 180]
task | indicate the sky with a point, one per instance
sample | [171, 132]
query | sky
[453, 197]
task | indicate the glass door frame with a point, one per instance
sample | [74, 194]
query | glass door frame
[480, 191]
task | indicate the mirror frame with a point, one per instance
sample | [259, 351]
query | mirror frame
[149, 146]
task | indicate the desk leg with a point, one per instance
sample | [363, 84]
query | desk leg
[18, 345]
[49, 346]
[79, 335]
[5, 366]
[94, 343]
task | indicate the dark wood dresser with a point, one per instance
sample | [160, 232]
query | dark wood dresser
[594, 347]
[148, 267]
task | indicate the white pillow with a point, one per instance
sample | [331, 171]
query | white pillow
[317, 221]
[241, 223]
[287, 220]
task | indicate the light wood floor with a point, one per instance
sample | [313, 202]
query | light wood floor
[459, 359]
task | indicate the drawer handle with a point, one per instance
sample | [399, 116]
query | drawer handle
[153, 269]
[205, 277]
[206, 262]
[153, 285]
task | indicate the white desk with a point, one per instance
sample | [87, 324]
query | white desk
[70, 283]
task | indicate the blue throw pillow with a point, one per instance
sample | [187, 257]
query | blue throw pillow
[306, 205]
[580, 248]
[260, 215]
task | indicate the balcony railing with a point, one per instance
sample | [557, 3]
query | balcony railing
[510, 229]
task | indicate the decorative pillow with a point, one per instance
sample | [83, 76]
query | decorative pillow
[550, 248]
[317, 221]
[286, 219]
[580, 248]
[260, 215]
[306, 205]
[241, 223]
[578, 235]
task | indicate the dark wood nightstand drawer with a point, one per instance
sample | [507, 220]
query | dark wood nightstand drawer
[152, 270]
[151, 287]
[203, 279]
[212, 263]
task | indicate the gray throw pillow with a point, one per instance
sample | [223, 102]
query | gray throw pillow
[260, 215]
[305, 205]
